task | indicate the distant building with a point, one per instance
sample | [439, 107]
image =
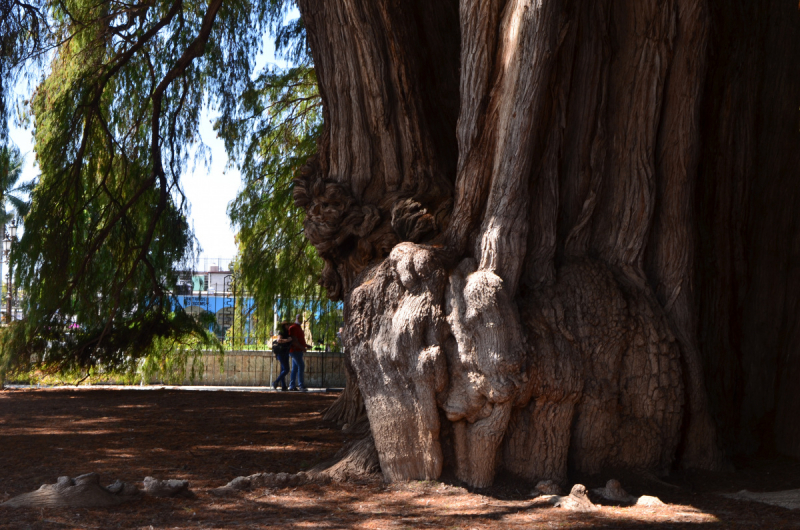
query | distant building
[215, 292]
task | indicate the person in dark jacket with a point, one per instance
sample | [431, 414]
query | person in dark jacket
[280, 348]
[296, 352]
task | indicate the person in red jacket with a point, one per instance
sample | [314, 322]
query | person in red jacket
[296, 352]
[280, 348]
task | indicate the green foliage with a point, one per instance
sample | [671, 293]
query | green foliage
[272, 132]
[175, 360]
[14, 203]
[166, 361]
[22, 23]
[114, 119]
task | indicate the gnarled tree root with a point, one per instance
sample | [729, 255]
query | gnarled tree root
[167, 488]
[356, 460]
[270, 480]
[83, 491]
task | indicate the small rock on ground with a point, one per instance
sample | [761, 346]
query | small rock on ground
[577, 500]
[613, 491]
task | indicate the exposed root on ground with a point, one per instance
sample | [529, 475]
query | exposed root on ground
[356, 460]
[167, 488]
[270, 480]
[83, 491]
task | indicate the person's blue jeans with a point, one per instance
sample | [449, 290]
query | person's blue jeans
[283, 358]
[298, 370]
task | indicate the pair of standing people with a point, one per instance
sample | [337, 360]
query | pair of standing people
[291, 343]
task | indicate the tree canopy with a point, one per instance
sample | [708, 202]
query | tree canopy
[273, 131]
[13, 194]
[115, 117]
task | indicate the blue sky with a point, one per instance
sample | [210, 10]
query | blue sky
[208, 187]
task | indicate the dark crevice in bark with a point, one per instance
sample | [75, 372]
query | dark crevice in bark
[746, 206]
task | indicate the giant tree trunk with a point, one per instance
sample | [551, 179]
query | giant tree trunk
[516, 199]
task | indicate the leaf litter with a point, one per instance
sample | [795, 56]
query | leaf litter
[208, 438]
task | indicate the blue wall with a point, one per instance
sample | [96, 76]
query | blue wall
[217, 302]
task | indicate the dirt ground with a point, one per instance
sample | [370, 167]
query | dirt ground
[209, 438]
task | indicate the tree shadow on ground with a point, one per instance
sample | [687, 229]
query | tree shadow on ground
[688, 494]
[209, 438]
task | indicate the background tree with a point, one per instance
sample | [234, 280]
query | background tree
[557, 224]
[14, 200]
[14, 195]
[272, 130]
[23, 42]
[113, 119]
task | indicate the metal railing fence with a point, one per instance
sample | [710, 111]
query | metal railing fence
[260, 368]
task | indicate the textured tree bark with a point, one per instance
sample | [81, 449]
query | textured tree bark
[348, 409]
[518, 202]
[748, 226]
